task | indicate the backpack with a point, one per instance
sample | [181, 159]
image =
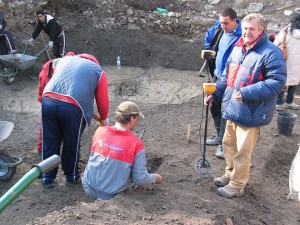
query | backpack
[282, 45]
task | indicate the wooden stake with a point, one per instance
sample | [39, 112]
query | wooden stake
[189, 131]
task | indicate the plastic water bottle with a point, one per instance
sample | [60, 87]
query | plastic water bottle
[118, 62]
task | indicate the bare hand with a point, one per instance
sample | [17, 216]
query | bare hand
[208, 100]
[238, 96]
[158, 179]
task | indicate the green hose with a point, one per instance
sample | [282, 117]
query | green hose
[18, 188]
[27, 179]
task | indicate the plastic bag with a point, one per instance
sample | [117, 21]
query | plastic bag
[294, 178]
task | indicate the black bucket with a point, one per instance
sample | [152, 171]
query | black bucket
[285, 123]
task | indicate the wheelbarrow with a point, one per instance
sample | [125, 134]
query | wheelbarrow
[14, 63]
[8, 164]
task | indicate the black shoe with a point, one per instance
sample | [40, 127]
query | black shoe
[74, 182]
[48, 185]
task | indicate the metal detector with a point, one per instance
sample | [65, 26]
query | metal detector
[202, 166]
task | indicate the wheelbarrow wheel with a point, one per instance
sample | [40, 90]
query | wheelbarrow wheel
[9, 80]
[6, 173]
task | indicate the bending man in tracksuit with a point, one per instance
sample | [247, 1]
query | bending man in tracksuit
[67, 107]
[57, 40]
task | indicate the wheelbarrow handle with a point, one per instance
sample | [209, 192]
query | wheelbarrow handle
[41, 51]
[25, 47]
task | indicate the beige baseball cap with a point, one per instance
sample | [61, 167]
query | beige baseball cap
[129, 108]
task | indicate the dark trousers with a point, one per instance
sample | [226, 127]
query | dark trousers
[59, 46]
[9, 42]
[219, 121]
[289, 97]
[63, 123]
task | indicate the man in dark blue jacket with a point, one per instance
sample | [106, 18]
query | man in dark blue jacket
[254, 75]
[221, 39]
[57, 40]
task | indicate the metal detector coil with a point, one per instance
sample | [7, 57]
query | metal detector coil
[203, 168]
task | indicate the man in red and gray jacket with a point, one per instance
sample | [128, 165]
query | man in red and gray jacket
[117, 157]
[67, 106]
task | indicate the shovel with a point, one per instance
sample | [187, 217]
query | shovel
[5, 129]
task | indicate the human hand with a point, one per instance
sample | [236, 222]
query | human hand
[105, 122]
[238, 96]
[158, 179]
[208, 100]
[30, 41]
[50, 45]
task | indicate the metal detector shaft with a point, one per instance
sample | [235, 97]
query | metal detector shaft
[205, 132]
[202, 68]
[141, 135]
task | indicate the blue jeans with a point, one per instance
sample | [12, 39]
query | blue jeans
[63, 123]
[290, 95]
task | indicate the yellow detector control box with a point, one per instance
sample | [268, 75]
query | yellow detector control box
[209, 88]
[208, 54]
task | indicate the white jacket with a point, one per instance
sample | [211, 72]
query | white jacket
[293, 52]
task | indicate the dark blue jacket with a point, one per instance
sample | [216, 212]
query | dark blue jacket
[259, 73]
[212, 39]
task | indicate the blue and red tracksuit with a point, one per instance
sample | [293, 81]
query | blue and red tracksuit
[67, 107]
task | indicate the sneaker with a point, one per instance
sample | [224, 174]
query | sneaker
[279, 107]
[292, 105]
[48, 184]
[221, 181]
[74, 182]
[229, 192]
[220, 153]
[215, 140]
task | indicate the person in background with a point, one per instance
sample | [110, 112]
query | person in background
[254, 75]
[292, 62]
[117, 157]
[221, 38]
[44, 77]
[67, 107]
[273, 36]
[57, 40]
[9, 41]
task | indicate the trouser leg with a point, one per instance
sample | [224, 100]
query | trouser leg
[279, 100]
[39, 145]
[51, 135]
[73, 123]
[215, 110]
[10, 41]
[290, 94]
[59, 46]
[222, 128]
[238, 144]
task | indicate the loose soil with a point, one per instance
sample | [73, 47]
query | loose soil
[159, 72]
[170, 99]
